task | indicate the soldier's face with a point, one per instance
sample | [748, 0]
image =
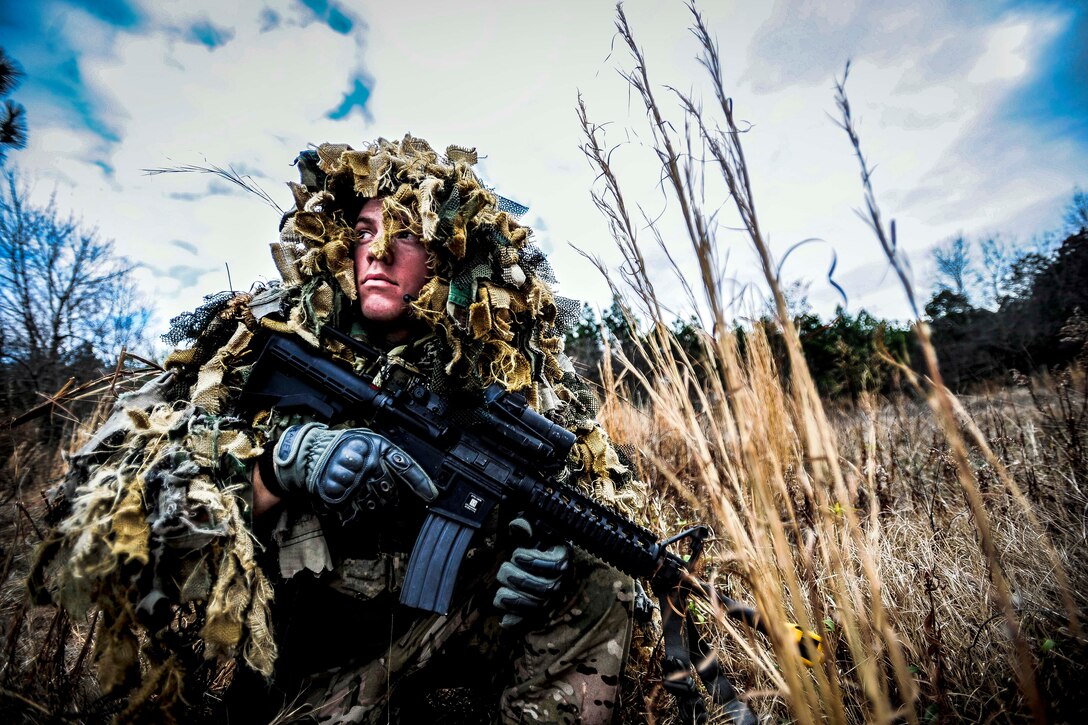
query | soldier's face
[401, 270]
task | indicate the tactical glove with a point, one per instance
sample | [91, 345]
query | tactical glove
[533, 580]
[345, 471]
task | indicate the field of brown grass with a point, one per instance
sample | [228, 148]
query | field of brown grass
[888, 567]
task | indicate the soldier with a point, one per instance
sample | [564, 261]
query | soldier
[202, 528]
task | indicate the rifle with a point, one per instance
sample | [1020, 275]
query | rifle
[507, 453]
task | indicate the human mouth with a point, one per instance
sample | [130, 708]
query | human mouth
[378, 280]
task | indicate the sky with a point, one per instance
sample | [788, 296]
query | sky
[974, 114]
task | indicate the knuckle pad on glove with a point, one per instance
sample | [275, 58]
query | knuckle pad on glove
[506, 571]
[515, 602]
[519, 580]
[344, 468]
[353, 454]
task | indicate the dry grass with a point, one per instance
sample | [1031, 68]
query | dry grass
[914, 528]
[45, 661]
[937, 545]
[917, 532]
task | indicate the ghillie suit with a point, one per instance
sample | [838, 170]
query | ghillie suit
[154, 524]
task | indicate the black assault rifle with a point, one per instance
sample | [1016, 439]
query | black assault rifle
[506, 453]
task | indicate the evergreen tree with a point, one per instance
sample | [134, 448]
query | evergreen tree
[12, 114]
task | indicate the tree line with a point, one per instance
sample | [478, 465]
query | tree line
[996, 307]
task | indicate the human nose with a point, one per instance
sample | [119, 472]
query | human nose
[381, 249]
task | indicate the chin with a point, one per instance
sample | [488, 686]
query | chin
[383, 311]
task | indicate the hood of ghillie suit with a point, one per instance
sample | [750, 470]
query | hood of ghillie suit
[489, 303]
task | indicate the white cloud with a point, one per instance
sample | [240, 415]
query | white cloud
[254, 102]
[924, 84]
[1005, 57]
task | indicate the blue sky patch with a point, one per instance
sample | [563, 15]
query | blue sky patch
[331, 14]
[118, 13]
[29, 15]
[339, 22]
[107, 169]
[64, 81]
[209, 35]
[1055, 97]
[187, 246]
[270, 20]
[356, 97]
[54, 89]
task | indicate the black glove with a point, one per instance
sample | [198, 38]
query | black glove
[345, 471]
[533, 580]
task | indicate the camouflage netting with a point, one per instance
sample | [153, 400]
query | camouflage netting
[489, 301]
[153, 522]
[152, 531]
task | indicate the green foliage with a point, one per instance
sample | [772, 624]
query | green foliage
[1020, 279]
[1028, 299]
[849, 355]
[583, 344]
[948, 305]
[620, 322]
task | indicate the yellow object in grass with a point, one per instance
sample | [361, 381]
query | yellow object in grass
[809, 643]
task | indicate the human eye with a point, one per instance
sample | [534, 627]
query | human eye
[364, 235]
[406, 237]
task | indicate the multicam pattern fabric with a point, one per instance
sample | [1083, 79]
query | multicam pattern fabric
[153, 523]
[570, 669]
[566, 671]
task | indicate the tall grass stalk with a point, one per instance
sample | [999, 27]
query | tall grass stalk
[751, 447]
[945, 407]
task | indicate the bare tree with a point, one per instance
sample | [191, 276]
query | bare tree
[1076, 213]
[998, 257]
[953, 260]
[68, 303]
